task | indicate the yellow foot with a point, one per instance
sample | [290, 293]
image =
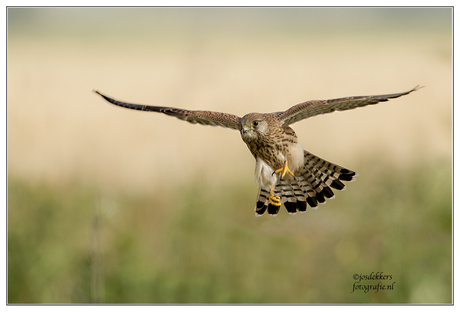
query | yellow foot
[274, 200]
[284, 170]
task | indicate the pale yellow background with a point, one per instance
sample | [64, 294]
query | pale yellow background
[229, 60]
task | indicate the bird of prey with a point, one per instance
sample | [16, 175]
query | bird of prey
[285, 172]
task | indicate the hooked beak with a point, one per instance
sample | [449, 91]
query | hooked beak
[245, 128]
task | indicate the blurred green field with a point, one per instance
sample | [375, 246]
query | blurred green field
[107, 205]
[204, 245]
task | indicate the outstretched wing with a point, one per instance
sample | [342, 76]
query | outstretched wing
[313, 108]
[193, 116]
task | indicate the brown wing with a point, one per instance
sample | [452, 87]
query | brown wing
[313, 108]
[192, 116]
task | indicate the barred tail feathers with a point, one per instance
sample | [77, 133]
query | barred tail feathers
[314, 185]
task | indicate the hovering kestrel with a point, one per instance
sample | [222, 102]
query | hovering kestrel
[285, 172]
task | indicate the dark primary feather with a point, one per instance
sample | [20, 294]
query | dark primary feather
[313, 108]
[192, 116]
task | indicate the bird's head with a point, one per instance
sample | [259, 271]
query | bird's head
[253, 126]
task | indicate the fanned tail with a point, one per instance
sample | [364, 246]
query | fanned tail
[314, 185]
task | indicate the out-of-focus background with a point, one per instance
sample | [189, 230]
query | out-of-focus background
[107, 205]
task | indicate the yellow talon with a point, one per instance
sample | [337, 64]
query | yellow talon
[274, 200]
[284, 170]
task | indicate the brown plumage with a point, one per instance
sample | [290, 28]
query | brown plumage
[286, 173]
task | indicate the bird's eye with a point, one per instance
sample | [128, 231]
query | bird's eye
[255, 123]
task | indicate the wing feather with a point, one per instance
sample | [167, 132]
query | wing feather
[313, 108]
[193, 116]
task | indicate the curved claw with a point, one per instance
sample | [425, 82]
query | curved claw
[274, 200]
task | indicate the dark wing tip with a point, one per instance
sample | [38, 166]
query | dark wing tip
[397, 95]
[99, 93]
[140, 107]
[104, 96]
